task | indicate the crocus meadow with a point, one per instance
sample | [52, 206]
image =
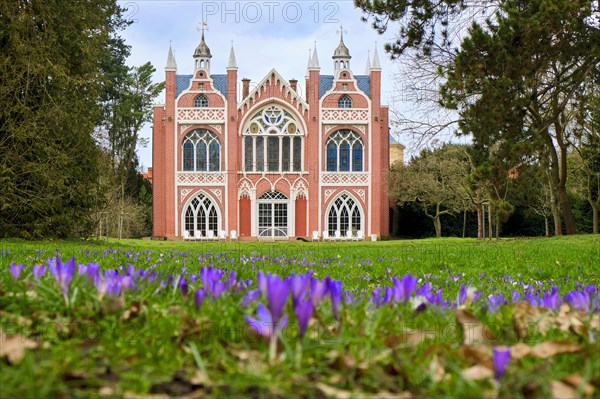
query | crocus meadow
[293, 299]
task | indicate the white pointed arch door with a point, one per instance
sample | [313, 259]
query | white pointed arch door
[273, 215]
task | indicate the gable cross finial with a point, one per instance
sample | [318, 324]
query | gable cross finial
[341, 32]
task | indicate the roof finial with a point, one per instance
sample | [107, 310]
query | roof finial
[376, 64]
[171, 64]
[232, 63]
[368, 66]
[341, 32]
[315, 57]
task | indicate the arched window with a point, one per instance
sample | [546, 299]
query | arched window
[200, 101]
[344, 152]
[272, 142]
[344, 214]
[201, 152]
[345, 101]
[201, 215]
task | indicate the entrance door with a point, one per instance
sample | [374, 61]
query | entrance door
[272, 215]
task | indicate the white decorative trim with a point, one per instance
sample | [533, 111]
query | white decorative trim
[361, 128]
[201, 115]
[218, 194]
[345, 178]
[361, 194]
[328, 128]
[345, 115]
[245, 189]
[201, 178]
[184, 192]
[300, 189]
[261, 89]
[328, 193]
[218, 128]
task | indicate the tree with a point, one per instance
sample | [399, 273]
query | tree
[513, 81]
[51, 82]
[433, 181]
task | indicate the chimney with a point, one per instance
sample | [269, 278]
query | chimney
[293, 84]
[245, 87]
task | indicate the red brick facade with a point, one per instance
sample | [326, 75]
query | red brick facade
[228, 163]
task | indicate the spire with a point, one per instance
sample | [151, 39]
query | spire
[202, 54]
[231, 64]
[315, 58]
[308, 63]
[171, 64]
[341, 55]
[376, 64]
[368, 66]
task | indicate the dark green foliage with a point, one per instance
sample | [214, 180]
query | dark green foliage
[51, 80]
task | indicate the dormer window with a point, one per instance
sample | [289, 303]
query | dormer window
[345, 86]
[345, 102]
[200, 86]
[201, 101]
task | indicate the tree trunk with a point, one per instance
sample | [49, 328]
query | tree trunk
[490, 221]
[546, 225]
[562, 174]
[464, 222]
[594, 216]
[480, 216]
[482, 221]
[437, 224]
[497, 227]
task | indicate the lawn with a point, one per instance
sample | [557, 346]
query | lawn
[396, 319]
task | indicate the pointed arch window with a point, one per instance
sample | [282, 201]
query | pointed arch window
[345, 101]
[273, 142]
[201, 101]
[344, 152]
[201, 152]
[201, 215]
[344, 215]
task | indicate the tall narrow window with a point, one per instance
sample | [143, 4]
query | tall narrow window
[344, 152]
[201, 101]
[285, 154]
[249, 153]
[201, 152]
[260, 153]
[297, 154]
[273, 154]
[188, 156]
[345, 101]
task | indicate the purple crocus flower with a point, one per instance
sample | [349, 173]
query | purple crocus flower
[318, 289]
[551, 300]
[404, 288]
[62, 272]
[15, 270]
[335, 292]
[198, 297]
[277, 292]
[303, 311]
[500, 359]
[251, 296]
[183, 286]
[38, 271]
[266, 324]
[494, 302]
[578, 300]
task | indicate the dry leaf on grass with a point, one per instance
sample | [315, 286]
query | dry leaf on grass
[560, 390]
[13, 347]
[333, 392]
[474, 331]
[577, 382]
[477, 372]
[552, 348]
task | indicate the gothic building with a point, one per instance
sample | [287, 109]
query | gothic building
[268, 162]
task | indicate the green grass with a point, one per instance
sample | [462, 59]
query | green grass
[106, 346]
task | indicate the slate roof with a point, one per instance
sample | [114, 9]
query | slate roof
[363, 82]
[182, 82]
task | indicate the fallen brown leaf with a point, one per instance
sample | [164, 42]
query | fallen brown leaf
[474, 331]
[477, 372]
[479, 355]
[13, 347]
[560, 390]
[577, 382]
[519, 350]
[551, 348]
[333, 392]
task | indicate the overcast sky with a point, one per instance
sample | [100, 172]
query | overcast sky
[265, 34]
